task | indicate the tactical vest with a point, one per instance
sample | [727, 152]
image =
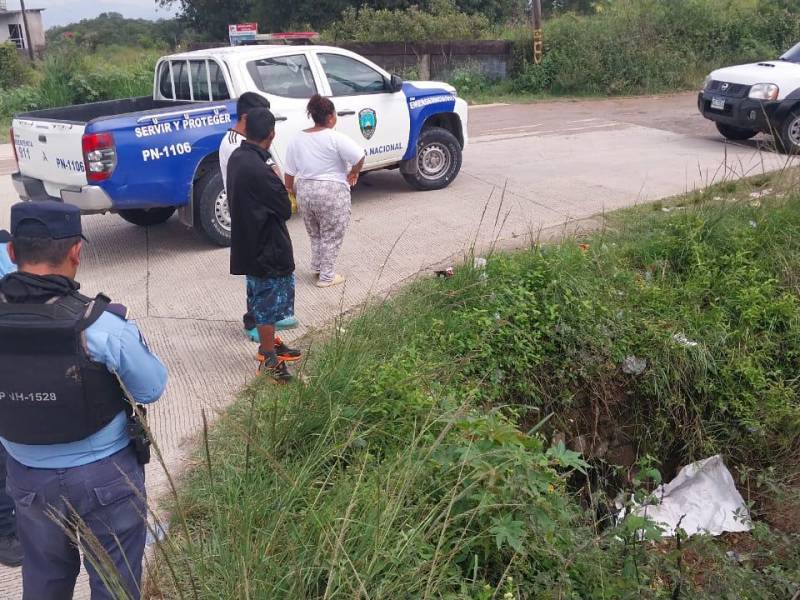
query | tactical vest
[51, 392]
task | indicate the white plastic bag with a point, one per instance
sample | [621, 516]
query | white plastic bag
[702, 498]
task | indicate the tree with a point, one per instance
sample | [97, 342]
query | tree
[212, 17]
[561, 6]
[112, 29]
[495, 10]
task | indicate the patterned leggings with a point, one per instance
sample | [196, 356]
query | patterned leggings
[326, 213]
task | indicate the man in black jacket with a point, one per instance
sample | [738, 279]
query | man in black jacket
[261, 247]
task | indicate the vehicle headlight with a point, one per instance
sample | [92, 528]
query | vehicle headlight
[764, 91]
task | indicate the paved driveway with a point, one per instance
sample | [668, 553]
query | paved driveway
[558, 161]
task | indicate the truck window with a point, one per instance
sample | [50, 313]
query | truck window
[200, 87]
[219, 89]
[349, 77]
[165, 82]
[180, 73]
[287, 76]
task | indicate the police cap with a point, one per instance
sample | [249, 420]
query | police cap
[46, 219]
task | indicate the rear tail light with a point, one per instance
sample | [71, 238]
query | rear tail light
[99, 156]
[14, 146]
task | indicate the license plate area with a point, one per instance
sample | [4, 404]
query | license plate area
[718, 103]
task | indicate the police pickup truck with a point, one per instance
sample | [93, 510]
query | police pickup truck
[145, 158]
[761, 97]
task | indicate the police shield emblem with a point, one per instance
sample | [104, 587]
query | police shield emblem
[367, 121]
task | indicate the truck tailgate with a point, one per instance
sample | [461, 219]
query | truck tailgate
[51, 152]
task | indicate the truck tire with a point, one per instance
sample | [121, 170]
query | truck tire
[438, 160]
[788, 136]
[145, 217]
[213, 214]
[735, 133]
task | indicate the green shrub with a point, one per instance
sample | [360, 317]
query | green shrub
[635, 46]
[534, 79]
[19, 99]
[12, 68]
[71, 77]
[440, 21]
[469, 82]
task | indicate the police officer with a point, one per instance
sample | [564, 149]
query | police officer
[70, 368]
[10, 548]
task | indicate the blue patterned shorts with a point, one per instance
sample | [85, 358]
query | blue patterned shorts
[271, 299]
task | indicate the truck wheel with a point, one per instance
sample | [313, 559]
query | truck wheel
[145, 217]
[213, 213]
[438, 160]
[735, 133]
[788, 138]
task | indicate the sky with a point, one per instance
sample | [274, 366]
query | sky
[62, 12]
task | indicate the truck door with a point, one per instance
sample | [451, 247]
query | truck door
[288, 82]
[368, 111]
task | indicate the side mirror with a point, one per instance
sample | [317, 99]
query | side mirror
[396, 84]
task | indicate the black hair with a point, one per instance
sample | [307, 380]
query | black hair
[42, 250]
[320, 109]
[248, 101]
[260, 124]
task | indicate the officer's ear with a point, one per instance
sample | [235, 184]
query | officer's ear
[74, 254]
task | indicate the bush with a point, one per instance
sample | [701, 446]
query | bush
[635, 46]
[535, 79]
[19, 99]
[469, 82]
[70, 76]
[442, 21]
[12, 68]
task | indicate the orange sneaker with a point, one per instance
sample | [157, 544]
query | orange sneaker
[284, 352]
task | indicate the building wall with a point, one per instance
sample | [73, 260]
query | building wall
[34, 22]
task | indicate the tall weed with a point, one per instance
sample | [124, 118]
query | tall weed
[70, 76]
[646, 46]
[411, 460]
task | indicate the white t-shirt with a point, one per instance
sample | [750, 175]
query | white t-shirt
[325, 155]
[230, 142]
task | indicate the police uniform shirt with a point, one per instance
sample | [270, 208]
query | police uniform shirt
[6, 266]
[118, 345]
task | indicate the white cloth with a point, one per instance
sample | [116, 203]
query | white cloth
[325, 155]
[230, 142]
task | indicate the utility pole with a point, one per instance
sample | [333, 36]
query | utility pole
[27, 30]
[536, 21]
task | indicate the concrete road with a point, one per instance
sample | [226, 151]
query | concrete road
[558, 161]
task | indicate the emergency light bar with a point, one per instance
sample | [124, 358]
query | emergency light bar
[247, 34]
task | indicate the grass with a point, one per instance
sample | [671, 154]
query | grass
[422, 455]
[71, 75]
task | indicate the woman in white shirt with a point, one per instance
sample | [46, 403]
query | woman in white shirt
[321, 167]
